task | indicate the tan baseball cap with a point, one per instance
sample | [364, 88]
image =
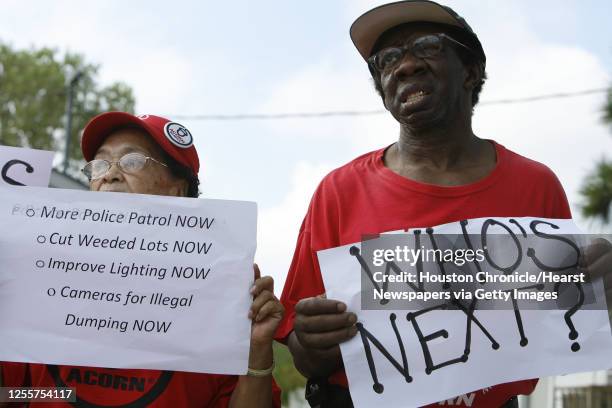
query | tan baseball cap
[368, 27]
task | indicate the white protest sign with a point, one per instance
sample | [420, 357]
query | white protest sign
[421, 354]
[125, 280]
[19, 166]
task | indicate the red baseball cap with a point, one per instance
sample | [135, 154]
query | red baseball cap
[172, 137]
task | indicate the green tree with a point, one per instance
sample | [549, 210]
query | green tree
[33, 92]
[285, 373]
[608, 108]
[597, 192]
[597, 188]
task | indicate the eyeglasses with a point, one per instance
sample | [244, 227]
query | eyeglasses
[427, 46]
[130, 163]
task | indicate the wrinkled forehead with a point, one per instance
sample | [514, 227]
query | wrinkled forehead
[127, 140]
[404, 33]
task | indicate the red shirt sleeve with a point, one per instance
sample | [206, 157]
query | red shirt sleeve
[560, 205]
[304, 277]
[303, 281]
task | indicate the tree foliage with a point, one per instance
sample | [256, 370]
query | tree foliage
[597, 191]
[33, 92]
[597, 188]
[608, 108]
[285, 373]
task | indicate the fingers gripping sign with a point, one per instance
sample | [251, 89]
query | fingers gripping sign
[322, 323]
[596, 259]
[266, 310]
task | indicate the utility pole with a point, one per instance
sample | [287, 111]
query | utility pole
[71, 85]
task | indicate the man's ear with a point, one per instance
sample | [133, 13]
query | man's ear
[374, 74]
[473, 75]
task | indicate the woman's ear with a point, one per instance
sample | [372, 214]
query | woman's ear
[179, 188]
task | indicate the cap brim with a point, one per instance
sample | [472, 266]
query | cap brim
[101, 126]
[372, 24]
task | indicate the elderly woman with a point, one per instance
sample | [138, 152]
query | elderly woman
[152, 155]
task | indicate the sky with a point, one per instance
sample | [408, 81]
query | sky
[189, 58]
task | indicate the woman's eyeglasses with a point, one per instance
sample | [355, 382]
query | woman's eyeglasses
[130, 163]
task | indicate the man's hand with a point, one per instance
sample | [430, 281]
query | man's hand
[320, 326]
[597, 260]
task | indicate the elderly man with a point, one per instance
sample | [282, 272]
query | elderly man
[152, 155]
[428, 67]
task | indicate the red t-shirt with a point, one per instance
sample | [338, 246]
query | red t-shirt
[365, 197]
[126, 388]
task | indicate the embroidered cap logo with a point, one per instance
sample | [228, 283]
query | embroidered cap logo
[178, 135]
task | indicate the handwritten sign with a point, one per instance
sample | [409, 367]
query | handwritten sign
[19, 166]
[125, 280]
[420, 351]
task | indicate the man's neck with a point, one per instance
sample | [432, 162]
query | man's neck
[442, 148]
[448, 155]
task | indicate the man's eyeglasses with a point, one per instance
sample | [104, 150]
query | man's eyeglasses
[427, 46]
[130, 163]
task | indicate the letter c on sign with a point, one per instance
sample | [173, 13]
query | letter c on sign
[10, 164]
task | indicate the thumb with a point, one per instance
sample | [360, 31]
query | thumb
[256, 271]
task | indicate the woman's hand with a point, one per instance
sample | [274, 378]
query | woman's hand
[266, 311]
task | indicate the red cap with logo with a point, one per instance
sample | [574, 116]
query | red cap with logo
[172, 137]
